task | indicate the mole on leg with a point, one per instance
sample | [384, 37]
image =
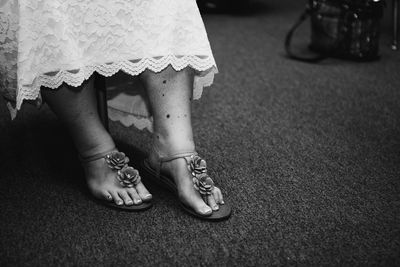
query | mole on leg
[172, 122]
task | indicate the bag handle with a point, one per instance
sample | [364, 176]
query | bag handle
[288, 40]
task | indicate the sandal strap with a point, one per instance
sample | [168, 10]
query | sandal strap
[184, 154]
[161, 158]
[96, 156]
[197, 166]
[126, 175]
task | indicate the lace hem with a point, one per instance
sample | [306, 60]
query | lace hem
[135, 67]
[204, 66]
[128, 120]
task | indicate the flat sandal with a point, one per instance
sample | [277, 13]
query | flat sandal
[126, 175]
[201, 182]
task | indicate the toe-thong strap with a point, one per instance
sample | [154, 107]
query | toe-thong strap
[117, 161]
[201, 180]
[197, 166]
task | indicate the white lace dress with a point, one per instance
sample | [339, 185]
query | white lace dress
[48, 42]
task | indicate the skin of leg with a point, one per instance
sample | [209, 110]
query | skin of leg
[170, 94]
[76, 107]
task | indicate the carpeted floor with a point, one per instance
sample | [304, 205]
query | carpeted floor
[308, 156]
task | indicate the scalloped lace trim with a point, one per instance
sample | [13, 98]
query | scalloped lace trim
[204, 66]
[134, 67]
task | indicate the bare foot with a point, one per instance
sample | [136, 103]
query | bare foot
[103, 183]
[178, 170]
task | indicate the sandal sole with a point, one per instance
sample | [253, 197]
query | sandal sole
[133, 208]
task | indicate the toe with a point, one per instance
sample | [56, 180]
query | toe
[195, 201]
[134, 195]
[212, 203]
[218, 196]
[201, 207]
[106, 196]
[204, 210]
[117, 199]
[143, 193]
[102, 194]
[125, 197]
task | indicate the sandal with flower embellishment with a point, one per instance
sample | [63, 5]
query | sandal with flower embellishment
[201, 182]
[126, 175]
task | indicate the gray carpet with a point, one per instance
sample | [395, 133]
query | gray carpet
[308, 156]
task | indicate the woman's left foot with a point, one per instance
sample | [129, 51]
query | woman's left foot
[194, 187]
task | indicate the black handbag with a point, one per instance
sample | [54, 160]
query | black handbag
[347, 29]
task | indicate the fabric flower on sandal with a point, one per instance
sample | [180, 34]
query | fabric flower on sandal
[197, 165]
[204, 184]
[128, 176]
[117, 160]
[201, 181]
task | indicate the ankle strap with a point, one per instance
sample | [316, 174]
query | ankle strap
[178, 154]
[96, 156]
[161, 159]
[183, 154]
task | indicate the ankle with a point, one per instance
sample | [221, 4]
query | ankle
[166, 146]
[90, 149]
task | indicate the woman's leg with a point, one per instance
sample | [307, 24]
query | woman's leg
[170, 94]
[77, 108]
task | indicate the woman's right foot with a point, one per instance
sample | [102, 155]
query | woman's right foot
[104, 184]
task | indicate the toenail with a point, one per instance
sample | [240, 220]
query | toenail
[216, 207]
[119, 202]
[129, 202]
[207, 210]
[148, 196]
[138, 201]
[222, 202]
